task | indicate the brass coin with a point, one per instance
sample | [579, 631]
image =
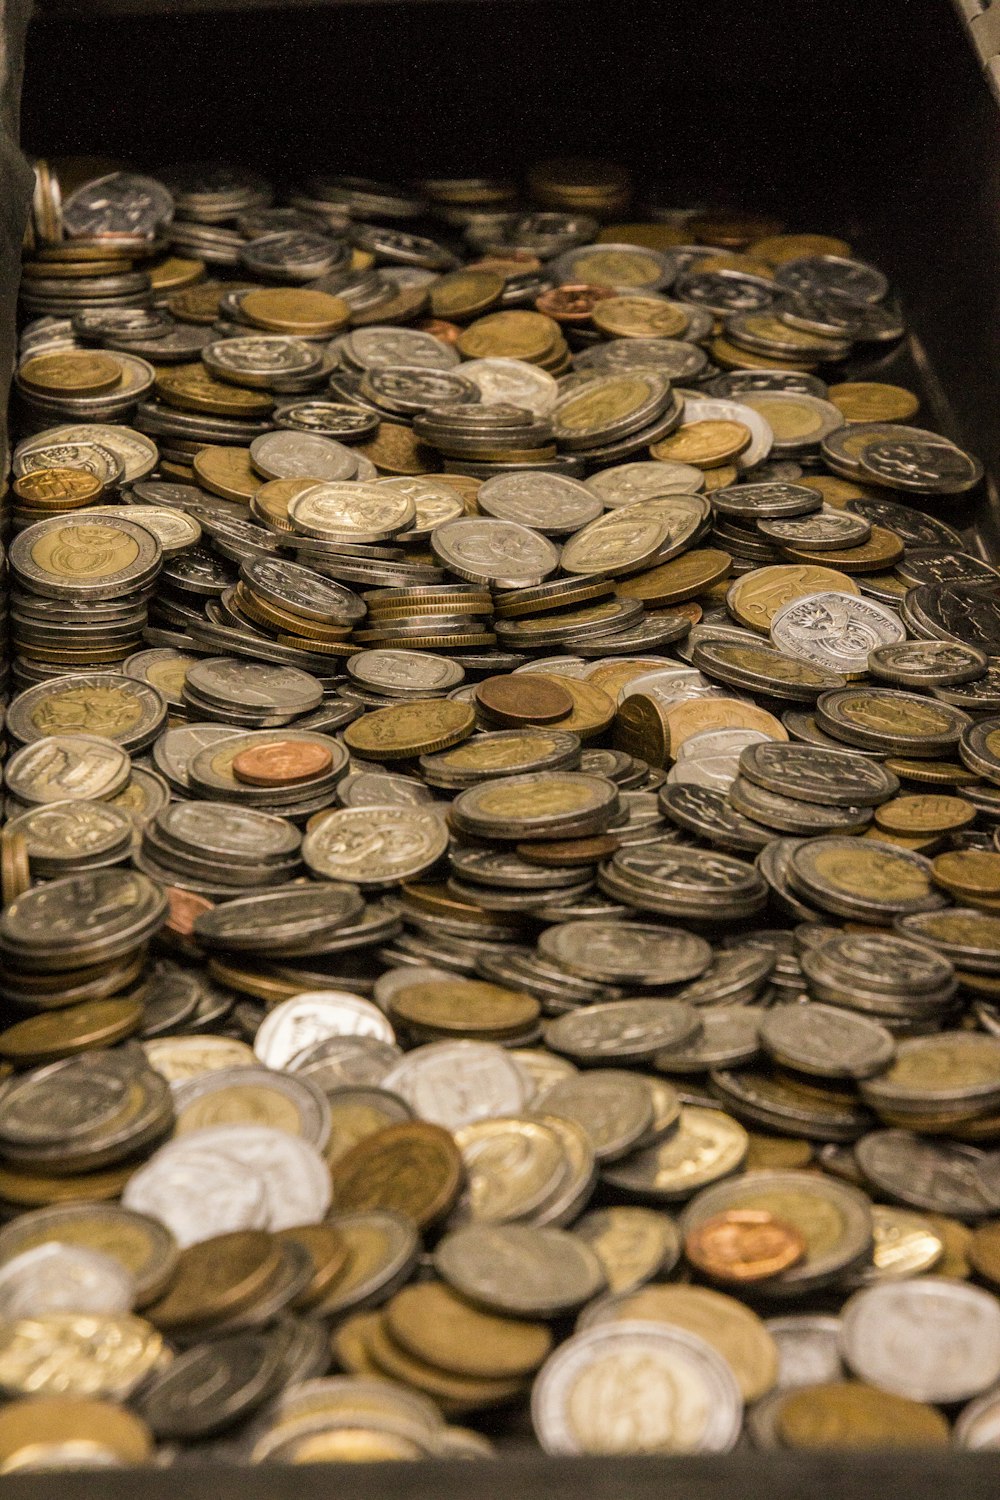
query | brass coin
[466, 293]
[756, 598]
[871, 401]
[58, 489]
[920, 815]
[853, 1415]
[63, 1033]
[192, 388]
[698, 715]
[836, 492]
[413, 1169]
[464, 1007]
[882, 549]
[456, 1393]
[328, 1253]
[641, 730]
[270, 503]
[524, 698]
[593, 709]
[730, 356]
[778, 248]
[200, 304]
[64, 1423]
[510, 335]
[217, 1278]
[227, 472]
[406, 730]
[969, 873]
[570, 853]
[175, 272]
[704, 444]
[397, 450]
[33, 1190]
[639, 318]
[295, 310]
[71, 372]
[434, 1324]
[15, 870]
[681, 578]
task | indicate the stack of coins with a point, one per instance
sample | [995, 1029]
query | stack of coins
[501, 837]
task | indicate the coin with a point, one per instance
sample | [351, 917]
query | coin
[744, 1245]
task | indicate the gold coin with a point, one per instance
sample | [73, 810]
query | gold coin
[704, 444]
[466, 294]
[71, 372]
[681, 578]
[732, 1330]
[296, 310]
[371, 1248]
[31, 1190]
[464, 1007]
[697, 715]
[882, 549]
[200, 303]
[461, 1392]
[957, 1241]
[849, 1414]
[192, 388]
[871, 401]
[77, 1354]
[733, 261]
[175, 272]
[397, 450]
[349, 1343]
[790, 420]
[969, 873]
[651, 236]
[328, 1253]
[919, 815]
[77, 1028]
[409, 729]
[218, 1278]
[730, 356]
[720, 478]
[58, 489]
[777, 1153]
[639, 318]
[593, 710]
[612, 676]
[354, 1117]
[757, 597]
[356, 1445]
[632, 1244]
[905, 1243]
[641, 728]
[413, 1169]
[240, 1104]
[604, 402]
[432, 1323]
[617, 268]
[510, 335]
[836, 492]
[43, 1424]
[778, 248]
[227, 472]
[15, 870]
[181, 1057]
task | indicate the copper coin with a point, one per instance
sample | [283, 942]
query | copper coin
[744, 1244]
[573, 303]
[565, 853]
[185, 906]
[526, 698]
[282, 763]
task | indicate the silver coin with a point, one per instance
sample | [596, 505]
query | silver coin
[826, 1041]
[375, 846]
[306, 455]
[808, 1349]
[519, 1269]
[401, 672]
[626, 1030]
[503, 554]
[834, 630]
[551, 503]
[54, 1278]
[67, 768]
[455, 1083]
[929, 1338]
[936, 1175]
[121, 203]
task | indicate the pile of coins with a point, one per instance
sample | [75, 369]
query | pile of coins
[501, 845]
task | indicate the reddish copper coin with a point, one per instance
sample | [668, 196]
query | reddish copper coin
[282, 763]
[184, 907]
[564, 853]
[744, 1245]
[440, 328]
[524, 698]
[572, 303]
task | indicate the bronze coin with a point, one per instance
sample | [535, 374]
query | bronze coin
[413, 1169]
[63, 1033]
[744, 1245]
[217, 1278]
[282, 763]
[524, 698]
[566, 853]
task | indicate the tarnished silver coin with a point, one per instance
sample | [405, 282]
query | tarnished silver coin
[67, 768]
[834, 630]
[929, 1338]
[826, 1041]
[375, 846]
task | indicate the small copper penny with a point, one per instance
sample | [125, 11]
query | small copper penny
[744, 1244]
[574, 303]
[526, 698]
[564, 853]
[184, 907]
[283, 763]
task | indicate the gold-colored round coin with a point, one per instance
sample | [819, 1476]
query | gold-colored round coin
[182, 1057]
[639, 318]
[729, 356]
[612, 676]
[872, 401]
[922, 814]
[434, 1324]
[593, 709]
[15, 870]
[192, 388]
[456, 1392]
[776, 249]
[413, 1169]
[270, 503]
[510, 335]
[296, 310]
[35, 1190]
[730, 1328]
[77, 1354]
[650, 236]
[640, 727]
[836, 492]
[729, 260]
[58, 489]
[217, 1278]
[64, 1033]
[174, 272]
[71, 372]
[681, 578]
[397, 450]
[406, 730]
[931, 772]
[704, 444]
[849, 1414]
[756, 598]
[464, 1007]
[227, 472]
[905, 1243]
[969, 873]
[200, 303]
[697, 715]
[44, 1423]
[882, 549]
[777, 1153]
[328, 1253]
[466, 293]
